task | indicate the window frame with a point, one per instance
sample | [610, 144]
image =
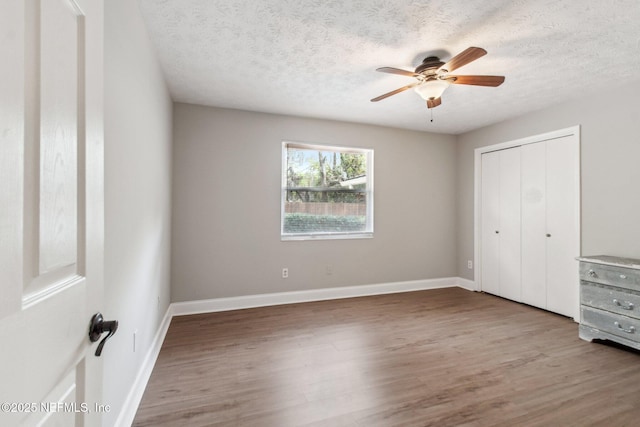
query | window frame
[369, 193]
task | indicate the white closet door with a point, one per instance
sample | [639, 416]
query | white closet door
[490, 220]
[500, 210]
[562, 225]
[530, 224]
[534, 224]
[510, 224]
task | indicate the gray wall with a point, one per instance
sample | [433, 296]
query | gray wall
[610, 169]
[226, 201]
[138, 113]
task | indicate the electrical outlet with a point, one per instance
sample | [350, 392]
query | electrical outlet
[285, 273]
[469, 264]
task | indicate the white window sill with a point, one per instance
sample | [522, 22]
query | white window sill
[326, 236]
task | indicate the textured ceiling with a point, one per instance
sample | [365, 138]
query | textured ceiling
[318, 58]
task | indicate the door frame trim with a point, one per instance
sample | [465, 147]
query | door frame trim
[478, 152]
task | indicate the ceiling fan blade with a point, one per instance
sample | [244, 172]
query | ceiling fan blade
[392, 70]
[463, 58]
[393, 92]
[492, 81]
[432, 103]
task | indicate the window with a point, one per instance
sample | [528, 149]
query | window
[327, 192]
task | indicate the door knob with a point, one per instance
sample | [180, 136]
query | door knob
[97, 327]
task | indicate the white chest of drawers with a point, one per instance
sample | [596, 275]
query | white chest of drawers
[610, 299]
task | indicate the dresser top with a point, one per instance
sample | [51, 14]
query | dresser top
[612, 260]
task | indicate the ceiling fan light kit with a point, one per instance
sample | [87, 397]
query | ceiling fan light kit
[433, 76]
[431, 89]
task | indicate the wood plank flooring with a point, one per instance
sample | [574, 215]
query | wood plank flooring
[446, 357]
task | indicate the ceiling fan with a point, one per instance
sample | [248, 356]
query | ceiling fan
[433, 76]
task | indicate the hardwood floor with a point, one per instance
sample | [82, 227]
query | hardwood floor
[446, 357]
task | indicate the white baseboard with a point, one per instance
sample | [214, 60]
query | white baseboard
[279, 298]
[467, 284]
[128, 412]
[131, 403]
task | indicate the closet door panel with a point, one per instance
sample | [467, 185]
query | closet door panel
[510, 224]
[490, 214]
[534, 227]
[562, 225]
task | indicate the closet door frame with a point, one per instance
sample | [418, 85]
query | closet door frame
[477, 202]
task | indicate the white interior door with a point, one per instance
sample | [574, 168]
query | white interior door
[550, 225]
[500, 212]
[490, 220]
[563, 230]
[500, 223]
[510, 224]
[51, 210]
[534, 224]
[533, 260]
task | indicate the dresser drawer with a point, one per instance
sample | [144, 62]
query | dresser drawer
[628, 278]
[615, 324]
[617, 300]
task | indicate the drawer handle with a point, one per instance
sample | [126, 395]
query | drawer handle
[592, 273]
[625, 306]
[631, 329]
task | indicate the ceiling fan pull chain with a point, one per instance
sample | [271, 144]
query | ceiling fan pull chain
[431, 109]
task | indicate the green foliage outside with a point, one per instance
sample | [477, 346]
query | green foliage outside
[308, 223]
[307, 168]
[317, 176]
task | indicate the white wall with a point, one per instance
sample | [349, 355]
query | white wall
[137, 201]
[226, 200]
[610, 154]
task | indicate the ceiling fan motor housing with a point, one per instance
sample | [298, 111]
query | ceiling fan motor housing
[430, 62]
